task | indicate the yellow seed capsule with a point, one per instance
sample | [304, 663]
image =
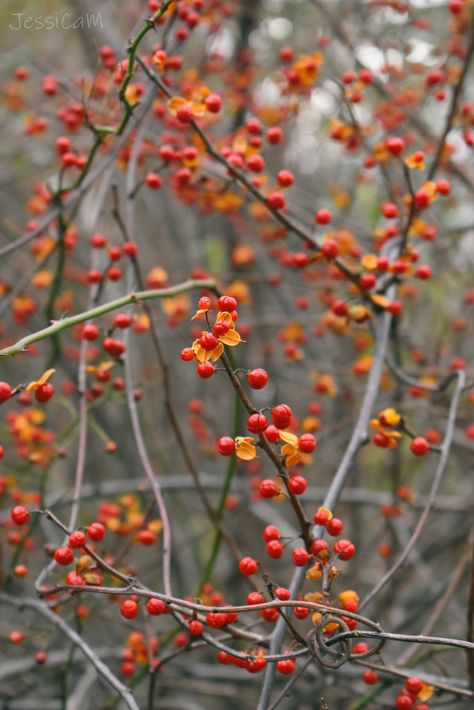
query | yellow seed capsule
[389, 417]
[314, 573]
[348, 595]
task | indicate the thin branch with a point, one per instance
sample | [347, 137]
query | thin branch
[443, 460]
[132, 298]
[102, 670]
[359, 436]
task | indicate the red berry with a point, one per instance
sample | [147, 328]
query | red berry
[204, 303]
[77, 539]
[255, 598]
[318, 546]
[127, 669]
[227, 303]
[404, 702]
[297, 485]
[281, 416]
[271, 532]
[114, 254]
[389, 210]
[323, 216]
[370, 678]
[181, 640]
[348, 77]
[423, 272]
[285, 178]
[274, 135]
[187, 354]
[257, 423]
[208, 341]
[226, 446]
[75, 579]
[455, 7]
[130, 249]
[274, 549]
[213, 103]
[413, 685]
[94, 276]
[272, 434]
[300, 260]
[367, 281]
[185, 114]
[123, 320]
[20, 515]
[256, 163]
[129, 609]
[21, 73]
[435, 76]
[282, 593]
[285, 667]
[257, 378]
[146, 537]
[270, 615]
[339, 307]
[253, 126]
[307, 443]
[113, 346]
[360, 647]
[286, 54]
[395, 308]
[330, 249]
[44, 392]
[322, 516]
[344, 549]
[301, 612]
[394, 145]
[114, 273]
[268, 488]
[195, 628]
[64, 556]
[96, 531]
[153, 181]
[300, 557]
[205, 370]
[221, 327]
[50, 85]
[443, 187]
[422, 198]
[216, 621]
[5, 391]
[276, 200]
[381, 439]
[335, 526]
[248, 566]
[155, 607]
[90, 331]
[419, 446]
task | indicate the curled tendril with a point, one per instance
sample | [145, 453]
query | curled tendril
[319, 646]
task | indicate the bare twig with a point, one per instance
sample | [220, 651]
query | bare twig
[445, 450]
[102, 670]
